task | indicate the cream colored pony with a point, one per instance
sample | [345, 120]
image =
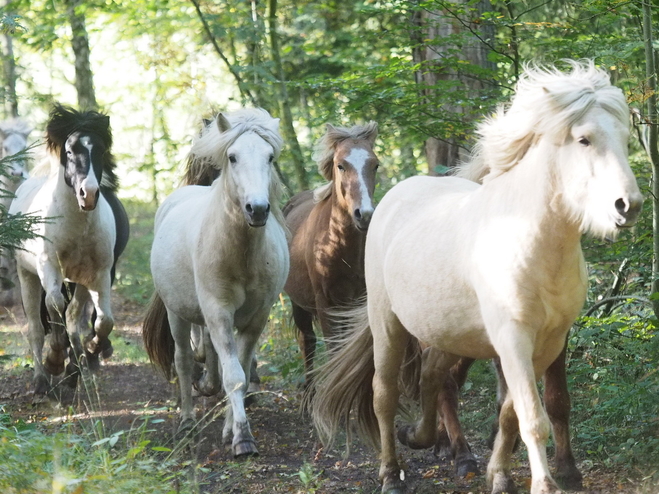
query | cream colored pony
[491, 270]
[220, 259]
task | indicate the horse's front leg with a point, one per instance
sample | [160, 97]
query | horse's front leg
[515, 349]
[234, 379]
[434, 371]
[100, 293]
[52, 282]
[31, 294]
[76, 320]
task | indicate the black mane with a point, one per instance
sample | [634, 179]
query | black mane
[65, 120]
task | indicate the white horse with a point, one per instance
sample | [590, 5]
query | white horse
[220, 259]
[75, 243]
[13, 139]
[491, 270]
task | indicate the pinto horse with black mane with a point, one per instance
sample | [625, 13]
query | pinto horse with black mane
[71, 261]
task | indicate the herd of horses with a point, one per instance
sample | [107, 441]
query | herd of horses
[484, 264]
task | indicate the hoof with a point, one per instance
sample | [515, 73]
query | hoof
[41, 386]
[55, 365]
[466, 467]
[71, 377]
[569, 478]
[102, 347]
[393, 485]
[503, 484]
[92, 361]
[407, 436]
[245, 448]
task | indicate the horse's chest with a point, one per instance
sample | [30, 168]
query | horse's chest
[80, 262]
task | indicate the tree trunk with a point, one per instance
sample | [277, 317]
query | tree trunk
[9, 65]
[288, 130]
[652, 148]
[84, 81]
[442, 24]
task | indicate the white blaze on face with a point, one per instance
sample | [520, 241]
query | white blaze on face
[358, 158]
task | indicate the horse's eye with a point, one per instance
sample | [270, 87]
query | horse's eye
[340, 167]
[377, 165]
[232, 158]
[271, 159]
[584, 141]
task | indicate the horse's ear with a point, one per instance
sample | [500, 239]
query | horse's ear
[373, 132]
[222, 123]
[206, 121]
[329, 128]
[274, 124]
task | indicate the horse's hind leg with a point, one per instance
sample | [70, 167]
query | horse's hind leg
[498, 470]
[557, 402]
[447, 403]
[306, 339]
[184, 362]
[31, 294]
[434, 371]
[390, 340]
[208, 384]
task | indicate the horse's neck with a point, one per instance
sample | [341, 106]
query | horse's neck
[533, 192]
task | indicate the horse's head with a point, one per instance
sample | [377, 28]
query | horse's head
[352, 167]
[598, 184]
[82, 157]
[250, 169]
[82, 142]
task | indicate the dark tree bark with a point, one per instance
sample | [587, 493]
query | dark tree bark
[443, 24]
[84, 81]
[288, 131]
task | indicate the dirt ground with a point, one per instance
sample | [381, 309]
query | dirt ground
[290, 458]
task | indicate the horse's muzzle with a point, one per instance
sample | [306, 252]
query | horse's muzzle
[628, 210]
[87, 199]
[257, 214]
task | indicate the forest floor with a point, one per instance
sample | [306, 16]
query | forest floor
[290, 459]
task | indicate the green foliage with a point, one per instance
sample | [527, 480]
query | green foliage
[65, 461]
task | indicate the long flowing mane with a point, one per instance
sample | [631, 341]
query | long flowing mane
[324, 151]
[208, 156]
[63, 121]
[546, 102]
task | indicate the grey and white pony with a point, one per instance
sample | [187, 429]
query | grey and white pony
[72, 260]
[219, 259]
[13, 139]
[487, 270]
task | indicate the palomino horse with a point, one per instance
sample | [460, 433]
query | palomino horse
[220, 259]
[328, 228]
[13, 139]
[503, 275]
[78, 243]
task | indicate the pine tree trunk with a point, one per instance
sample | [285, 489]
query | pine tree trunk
[9, 65]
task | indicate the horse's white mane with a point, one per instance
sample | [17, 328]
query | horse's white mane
[324, 151]
[546, 102]
[213, 144]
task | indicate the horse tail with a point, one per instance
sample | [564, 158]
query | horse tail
[157, 335]
[345, 384]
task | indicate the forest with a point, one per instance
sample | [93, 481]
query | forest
[427, 72]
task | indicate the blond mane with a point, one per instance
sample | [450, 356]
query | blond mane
[546, 102]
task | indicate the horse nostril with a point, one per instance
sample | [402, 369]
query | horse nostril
[358, 214]
[248, 208]
[622, 206]
[81, 193]
[267, 208]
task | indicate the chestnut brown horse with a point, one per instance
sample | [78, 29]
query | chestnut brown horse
[328, 232]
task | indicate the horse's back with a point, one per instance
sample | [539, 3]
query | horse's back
[297, 210]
